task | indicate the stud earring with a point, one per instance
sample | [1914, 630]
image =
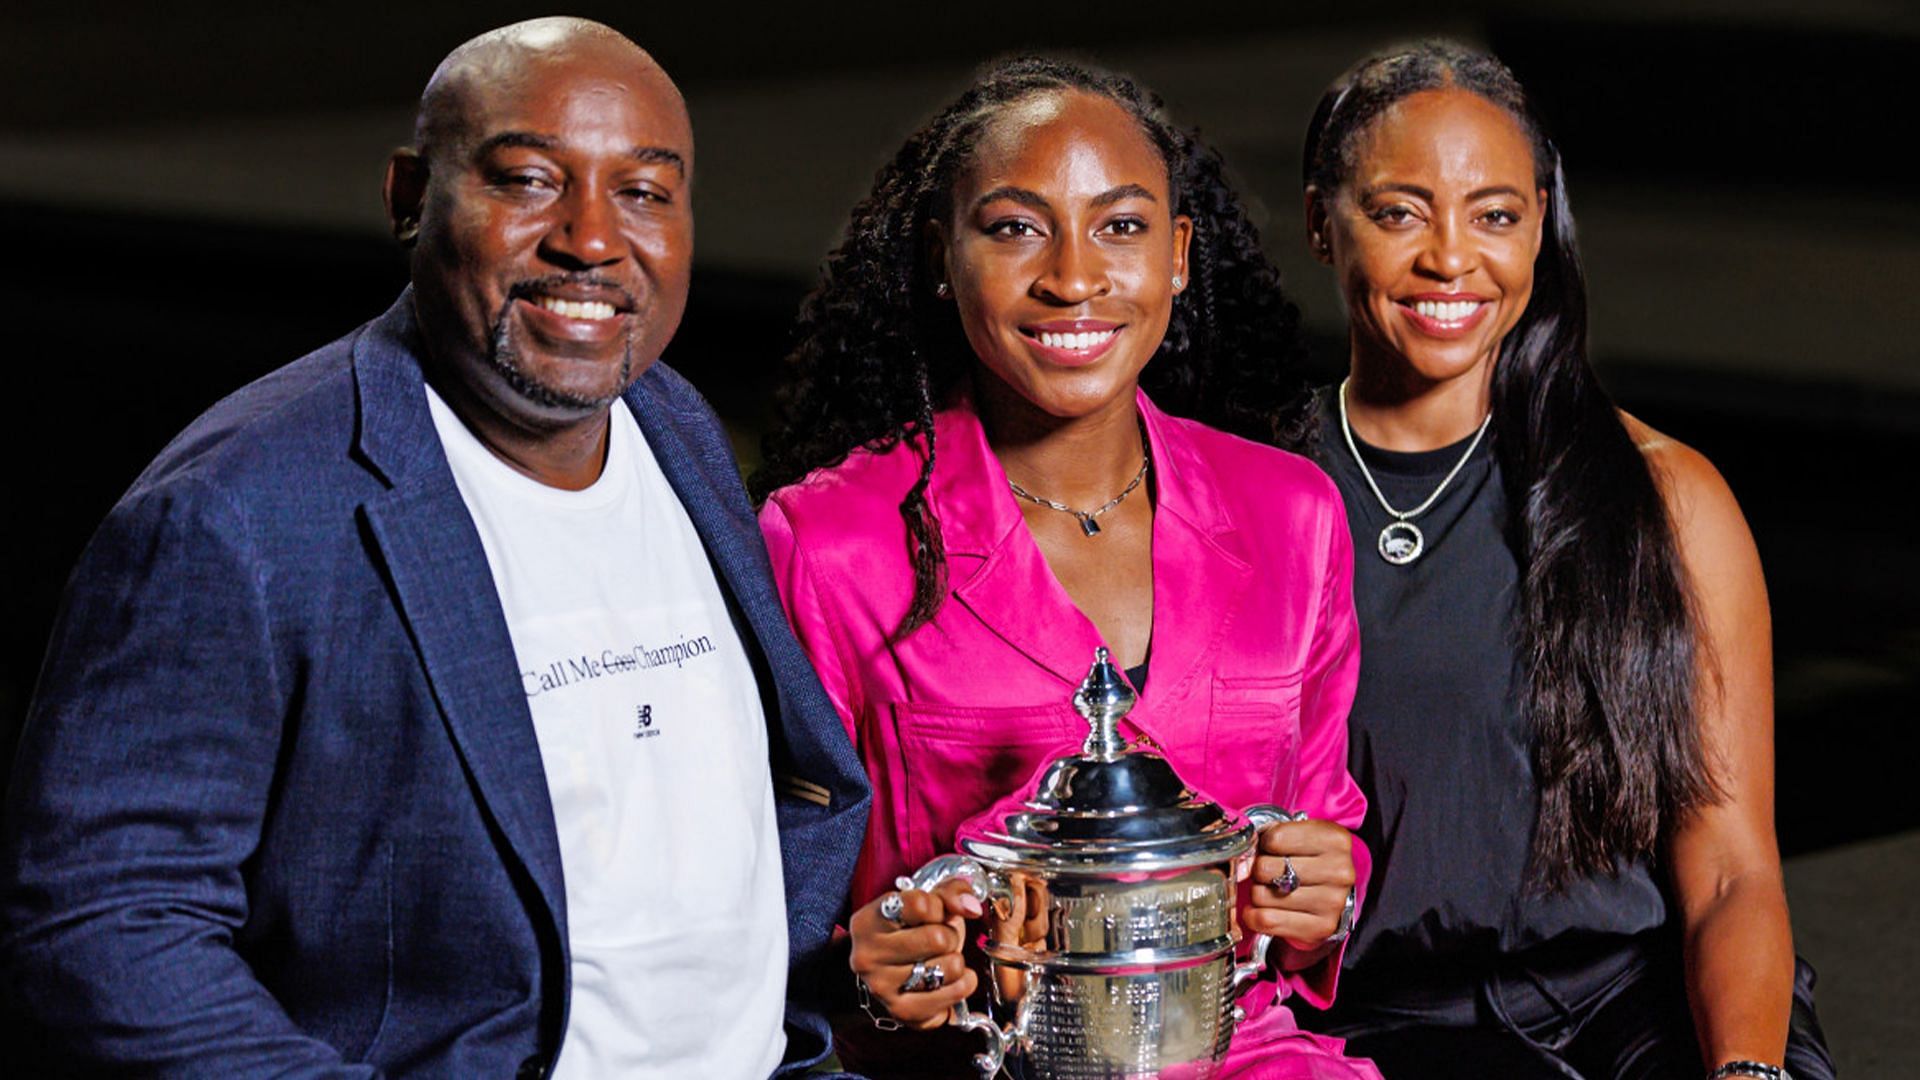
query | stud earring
[1178, 281]
[406, 230]
[942, 291]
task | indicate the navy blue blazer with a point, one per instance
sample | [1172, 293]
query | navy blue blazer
[278, 807]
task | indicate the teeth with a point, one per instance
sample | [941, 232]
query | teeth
[578, 309]
[1449, 311]
[1075, 342]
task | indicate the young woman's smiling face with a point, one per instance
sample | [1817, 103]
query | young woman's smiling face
[1433, 237]
[1061, 249]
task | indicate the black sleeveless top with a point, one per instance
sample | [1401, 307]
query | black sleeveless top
[1440, 747]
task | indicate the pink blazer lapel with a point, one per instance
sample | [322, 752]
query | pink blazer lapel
[1200, 581]
[995, 569]
[997, 572]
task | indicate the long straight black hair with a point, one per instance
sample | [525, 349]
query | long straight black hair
[1605, 634]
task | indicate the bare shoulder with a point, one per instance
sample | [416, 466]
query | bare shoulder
[1707, 522]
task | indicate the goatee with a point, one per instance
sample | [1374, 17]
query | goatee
[504, 359]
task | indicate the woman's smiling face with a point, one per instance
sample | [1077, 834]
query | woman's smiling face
[1061, 249]
[1433, 235]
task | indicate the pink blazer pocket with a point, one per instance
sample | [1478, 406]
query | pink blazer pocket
[1252, 729]
[960, 759]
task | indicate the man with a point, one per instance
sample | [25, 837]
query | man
[411, 713]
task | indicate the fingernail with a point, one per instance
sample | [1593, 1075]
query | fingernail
[970, 904]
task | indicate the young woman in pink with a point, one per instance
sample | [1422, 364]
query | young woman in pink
[974, 491]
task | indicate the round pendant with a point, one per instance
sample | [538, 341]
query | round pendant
[1401, 542]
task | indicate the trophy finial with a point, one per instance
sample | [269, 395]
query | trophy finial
[1102, 700]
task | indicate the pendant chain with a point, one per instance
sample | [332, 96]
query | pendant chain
[1087, 525]
[1406, 546]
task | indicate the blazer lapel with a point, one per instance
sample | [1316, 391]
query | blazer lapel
[997, 572]
[726, 526]
[810, 753]
[446, 594]
[1199, 580]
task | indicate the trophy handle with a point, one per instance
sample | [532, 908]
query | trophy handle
[945, 868]
[937, 872]
[1000, 1041]
[1245, 975]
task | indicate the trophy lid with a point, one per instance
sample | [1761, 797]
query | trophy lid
[1112, 807]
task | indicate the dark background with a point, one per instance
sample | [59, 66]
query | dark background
[191, 196]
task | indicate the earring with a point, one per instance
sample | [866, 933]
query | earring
[406, 230]
[1178, 281]
[941, 290]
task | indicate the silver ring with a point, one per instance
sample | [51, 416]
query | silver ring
[1288, 880]
[892, 906]
[923, 978]
[1344, 928]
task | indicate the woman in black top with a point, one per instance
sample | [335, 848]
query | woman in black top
[1564, 724]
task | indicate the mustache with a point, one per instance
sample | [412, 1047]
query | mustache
[532, 288]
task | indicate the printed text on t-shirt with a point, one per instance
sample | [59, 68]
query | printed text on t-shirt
[570, 670]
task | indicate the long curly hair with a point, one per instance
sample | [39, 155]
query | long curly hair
[876, 352]
[1606, 631]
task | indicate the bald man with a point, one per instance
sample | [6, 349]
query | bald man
[426, 708]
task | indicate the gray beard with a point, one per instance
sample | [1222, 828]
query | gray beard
[504, 359]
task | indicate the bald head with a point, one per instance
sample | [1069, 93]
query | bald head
[505, 60]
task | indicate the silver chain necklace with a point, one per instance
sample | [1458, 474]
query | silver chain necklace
[1087, 525]
[1401, 541]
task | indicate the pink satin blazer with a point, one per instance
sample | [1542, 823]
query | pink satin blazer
[1252, 663]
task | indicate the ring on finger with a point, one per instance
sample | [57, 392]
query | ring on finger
[924, 977]
[892, 906]
[1287, 880]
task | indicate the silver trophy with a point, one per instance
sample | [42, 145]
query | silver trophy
[1109, 892]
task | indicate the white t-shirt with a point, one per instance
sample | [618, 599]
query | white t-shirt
[655, 749]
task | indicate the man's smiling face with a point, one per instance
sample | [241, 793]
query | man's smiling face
[555, 227]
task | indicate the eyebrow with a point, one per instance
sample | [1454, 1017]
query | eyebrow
[1014, 194]
[1495, 189]
[1034, 199]
[660, 155]
[1124, 191]
[526, 139]
[648, 155]
[1427, 193]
